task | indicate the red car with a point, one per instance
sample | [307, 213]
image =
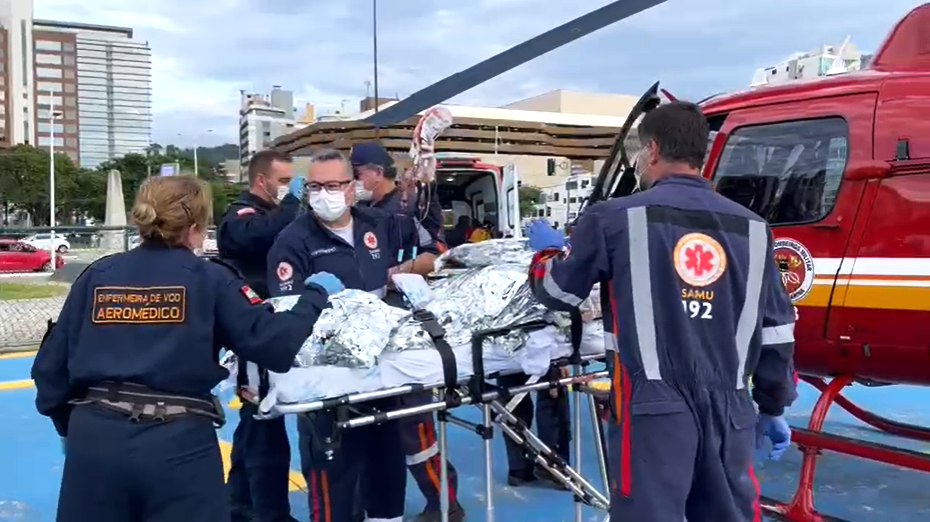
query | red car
[16, 256]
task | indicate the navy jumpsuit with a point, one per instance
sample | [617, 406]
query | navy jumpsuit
[419, 432]
[693, 307]
[154, 318]
[374, 453]
[261, 454]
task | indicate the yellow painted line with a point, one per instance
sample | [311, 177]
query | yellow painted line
[18, 355]
[297, 482]
[25, 384]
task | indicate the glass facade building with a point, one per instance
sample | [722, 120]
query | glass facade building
[108, 77]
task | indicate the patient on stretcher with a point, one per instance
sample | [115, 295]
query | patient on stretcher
[362, 344]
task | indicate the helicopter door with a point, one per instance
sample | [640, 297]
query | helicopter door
[786, 163]
[616, 177]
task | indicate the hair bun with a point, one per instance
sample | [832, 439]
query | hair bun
[144, 214]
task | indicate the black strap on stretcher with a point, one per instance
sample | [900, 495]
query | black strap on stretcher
[141, 403]
[450, 372]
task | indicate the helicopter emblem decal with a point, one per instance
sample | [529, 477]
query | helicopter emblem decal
[796, 267]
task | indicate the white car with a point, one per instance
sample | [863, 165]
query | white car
[44, 241]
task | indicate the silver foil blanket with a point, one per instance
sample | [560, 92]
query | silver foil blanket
[359, 327]
[352, 333]
[487, 253]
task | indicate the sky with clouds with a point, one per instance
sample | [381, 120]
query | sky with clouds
[205, 51]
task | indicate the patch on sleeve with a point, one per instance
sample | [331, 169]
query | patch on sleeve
[245, 211]
[285, 271]
[251, 295]
[150, 305]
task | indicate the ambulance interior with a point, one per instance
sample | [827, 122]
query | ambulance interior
[469, 192]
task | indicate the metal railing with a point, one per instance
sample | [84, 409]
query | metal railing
[29, 299]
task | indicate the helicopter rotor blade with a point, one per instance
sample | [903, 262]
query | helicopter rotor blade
[517, 55]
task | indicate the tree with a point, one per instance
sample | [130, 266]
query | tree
[223, 195]
[529, 198]
[24, 183]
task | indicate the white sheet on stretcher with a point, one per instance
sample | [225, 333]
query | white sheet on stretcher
[424, 367]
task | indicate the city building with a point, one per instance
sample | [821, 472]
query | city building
[559, 204]
[85, 86]
[264, 118]
[547, 137]
[823, 61]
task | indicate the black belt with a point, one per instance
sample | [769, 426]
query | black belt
[437, 333]
[142, 403]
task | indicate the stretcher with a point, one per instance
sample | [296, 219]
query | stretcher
[468, 385]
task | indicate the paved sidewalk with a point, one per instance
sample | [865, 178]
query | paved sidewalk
[23, 322]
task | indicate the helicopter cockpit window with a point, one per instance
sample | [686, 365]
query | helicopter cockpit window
[785, 172]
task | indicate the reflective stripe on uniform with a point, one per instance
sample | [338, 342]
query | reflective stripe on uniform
[424, 236]
[423, 456]
[749, 316]
[552, 288]
[641, 285]
[781, 334]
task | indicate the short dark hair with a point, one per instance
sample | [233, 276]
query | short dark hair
[679, 130]
[262, 160]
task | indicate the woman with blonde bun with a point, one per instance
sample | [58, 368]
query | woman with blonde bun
[126, 373]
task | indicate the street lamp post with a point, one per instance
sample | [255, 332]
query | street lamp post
[51, 177]
[374, 34]
[196, 146]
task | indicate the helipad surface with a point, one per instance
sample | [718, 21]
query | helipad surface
[857, 490]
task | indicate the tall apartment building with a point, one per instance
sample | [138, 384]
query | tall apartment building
[88, 85]
[262, 119]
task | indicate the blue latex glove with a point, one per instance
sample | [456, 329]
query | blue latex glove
[297, 186]
[776, 429]
[328, 282]
[543, 237]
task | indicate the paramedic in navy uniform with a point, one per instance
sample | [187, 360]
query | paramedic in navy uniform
[694, 308]
[260, 462]
[126, 373]
[376, 176]
[360, 246]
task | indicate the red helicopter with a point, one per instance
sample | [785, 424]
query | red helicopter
[840, 167]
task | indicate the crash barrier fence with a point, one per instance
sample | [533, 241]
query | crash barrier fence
[29, 299]
[496, 404]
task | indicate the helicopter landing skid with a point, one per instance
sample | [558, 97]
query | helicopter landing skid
[813, 440]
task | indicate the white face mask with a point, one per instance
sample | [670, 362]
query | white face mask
[328, 207]
[361, 193]
[282, 191]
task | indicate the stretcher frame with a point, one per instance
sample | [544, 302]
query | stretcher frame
[476, 391]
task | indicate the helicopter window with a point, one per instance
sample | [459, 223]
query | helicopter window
[785, 172]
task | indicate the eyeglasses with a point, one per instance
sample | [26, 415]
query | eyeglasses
[330, 186]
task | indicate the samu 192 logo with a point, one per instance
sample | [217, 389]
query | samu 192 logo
[796, 266]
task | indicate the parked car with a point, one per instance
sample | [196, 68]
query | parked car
[44, 240]
[18, 256]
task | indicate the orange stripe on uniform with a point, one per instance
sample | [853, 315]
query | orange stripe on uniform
[621, 388]
[756, 507]
[424, 444]
[314, 498]
[327, 514]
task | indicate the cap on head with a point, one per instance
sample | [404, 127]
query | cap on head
[370, 153]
